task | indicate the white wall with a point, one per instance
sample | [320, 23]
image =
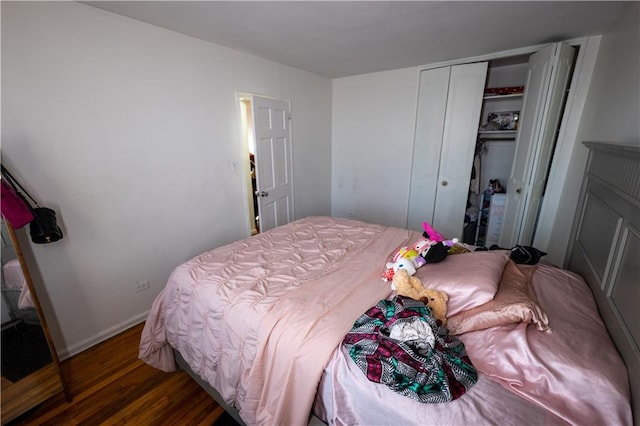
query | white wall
[128, 131]
[374, 120]
[613, 108]
[372, 143]
[611, 113]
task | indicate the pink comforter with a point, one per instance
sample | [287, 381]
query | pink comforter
[252, 344]
[570, 375]
[239, 315]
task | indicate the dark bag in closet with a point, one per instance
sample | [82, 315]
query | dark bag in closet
[44, 227]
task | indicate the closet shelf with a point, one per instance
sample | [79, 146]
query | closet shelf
[510, 95]
[497, 134]
[503, 92]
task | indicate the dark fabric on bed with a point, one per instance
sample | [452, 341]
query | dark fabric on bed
[414, 368]
[524, 255]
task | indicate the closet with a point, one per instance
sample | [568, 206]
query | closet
[482, 123]
[494, 150]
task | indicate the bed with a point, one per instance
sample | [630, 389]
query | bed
[260, 323]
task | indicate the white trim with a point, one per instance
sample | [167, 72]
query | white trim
[102, 336]
[581, 42]
[244, 154]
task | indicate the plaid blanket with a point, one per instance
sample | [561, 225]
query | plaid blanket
[425, 372]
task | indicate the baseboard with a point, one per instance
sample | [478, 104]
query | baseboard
[101, 337]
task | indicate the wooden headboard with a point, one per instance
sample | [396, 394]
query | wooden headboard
[606, 248]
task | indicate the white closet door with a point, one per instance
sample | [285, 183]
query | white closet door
[432, 104]
[464, 103]
[545, 92]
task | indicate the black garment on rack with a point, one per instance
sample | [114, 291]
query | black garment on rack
[44, 227]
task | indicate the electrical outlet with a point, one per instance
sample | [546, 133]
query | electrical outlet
[141, 286]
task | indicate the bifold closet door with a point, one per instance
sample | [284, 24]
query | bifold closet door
[543, 104]
[450, 101]
[432, 106]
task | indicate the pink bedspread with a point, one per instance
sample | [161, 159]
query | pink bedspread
[252, 344]
[572, 374]
[239, 315]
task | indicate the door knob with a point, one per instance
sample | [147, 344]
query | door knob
[261, 193]
[445, 183]
[519, 190]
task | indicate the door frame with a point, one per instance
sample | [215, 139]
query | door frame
[244, 154]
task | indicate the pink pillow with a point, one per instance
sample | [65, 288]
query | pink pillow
[469, 279]
[514, 302]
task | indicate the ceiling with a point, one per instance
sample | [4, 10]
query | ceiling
[342, 38]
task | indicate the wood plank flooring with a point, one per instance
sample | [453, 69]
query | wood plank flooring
[109, 385]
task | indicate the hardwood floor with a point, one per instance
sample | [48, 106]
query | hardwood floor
[109, 385]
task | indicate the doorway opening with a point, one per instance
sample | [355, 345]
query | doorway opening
[266, 148]
[249, 153]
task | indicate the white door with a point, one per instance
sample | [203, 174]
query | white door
[464, 103]
[545, 93]
[274, 170]
[432, 105]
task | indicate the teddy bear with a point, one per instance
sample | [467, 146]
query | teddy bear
[413, 288]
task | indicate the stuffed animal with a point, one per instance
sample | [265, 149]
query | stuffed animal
[435, 236]
[392, 267]
[412, 287]
[431, 233]
[436, 253]
[422, 245]
[437, 302]
[405, 258]
[410, 254]
[430, 249]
